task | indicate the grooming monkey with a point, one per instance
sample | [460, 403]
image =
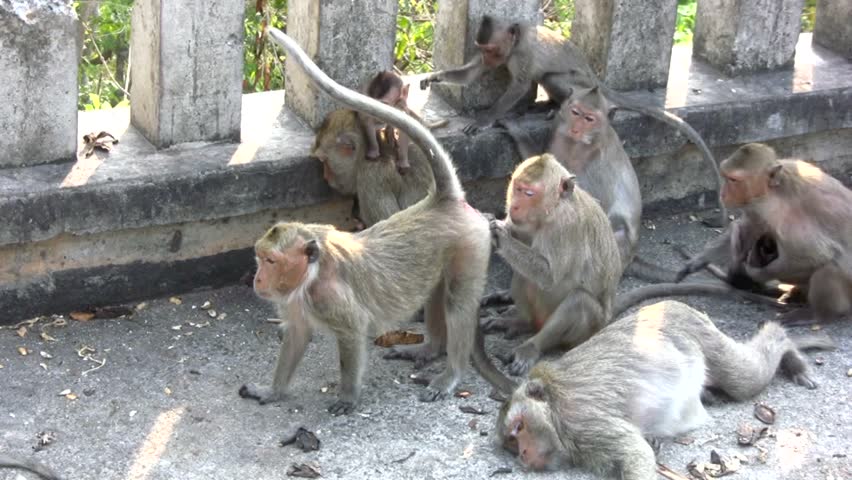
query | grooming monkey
[434, 254]
[538, 54]
[641, 376]
[379, 189]
[388, 88]
[796, 228]
[10, 461]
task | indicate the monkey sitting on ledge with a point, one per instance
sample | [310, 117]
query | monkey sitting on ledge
[642, 376]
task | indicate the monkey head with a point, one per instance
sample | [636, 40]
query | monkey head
[749, 175]
[388, 88]
[496, 41]
[339, 144]
[286, 260]
[583, 117]
[525, 428]
[538, 186]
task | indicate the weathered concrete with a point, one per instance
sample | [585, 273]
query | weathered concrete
[739, 36]
[455, 33]
[186, 79]
[833, 28]
[164, 405]
[627, 42]
[351, 42]
[39, 51]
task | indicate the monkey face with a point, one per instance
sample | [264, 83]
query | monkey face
[741, 187]
[524, 201]
[280, 272]
[582, 122]
[492, 56]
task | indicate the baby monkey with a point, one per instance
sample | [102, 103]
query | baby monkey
[642, 377]
[388, 88]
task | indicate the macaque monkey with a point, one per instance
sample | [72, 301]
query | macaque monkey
[434, 254]
[9, 461]
[640, 377]
[379, 189]
[538, 54]
[796, 228]
[564, 259]
[388, 88]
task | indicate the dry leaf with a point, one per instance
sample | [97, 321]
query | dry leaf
[168, 390]
[419, 380]
[816, 328]
[472, 410]
[849, 372]
[668, 473]
[501, 471]
[399, 337]
[47, 338]
[71, 396]
[745, 434]
[764, 413]
[82, 316]
[463, 394]
[684, 440]
[176, 300]
[113, 312]
[65, 392]
[819, 361]
[23, 351]
[45, 355]
[472, 424]
[22, 332]
[101, 141]
[304, 439]
[304, 470]
[141, 306]
[2, 366]
[206, 305]
[468, 451]
[212, 313]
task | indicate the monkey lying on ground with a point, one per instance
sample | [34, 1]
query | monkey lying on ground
[796, 228]
[9, 461]
[641, 376]
[388, 88]
[379, 189]
[434, 253]
[538, 54]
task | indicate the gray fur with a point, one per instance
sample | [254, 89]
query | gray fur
[10, 461]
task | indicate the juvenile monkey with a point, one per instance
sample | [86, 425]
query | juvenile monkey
[564, 259]
[434, 254]
[388, 88]
[796, 228]
[540, 55]
[379, 189]
[639, 377]
[9, 461]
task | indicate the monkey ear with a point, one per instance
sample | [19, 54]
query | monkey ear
[514, 29]
[566, 187]
[312, 251]
[774, 178]
[535, 389]
[345, 145]
[403, 93]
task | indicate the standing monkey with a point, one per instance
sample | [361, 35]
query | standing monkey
[540, 55]
[564, 259]
[796, 227]
[640, 377]
[434, 254]
[9, 461]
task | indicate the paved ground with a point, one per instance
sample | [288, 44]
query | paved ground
[165, 404]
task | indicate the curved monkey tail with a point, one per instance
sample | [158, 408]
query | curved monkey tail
[447, 184]
[678, 123]
[8, 461]
[657, 290]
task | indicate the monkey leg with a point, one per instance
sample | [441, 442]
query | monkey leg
[829, 298]
[576, 319]
[298, 335]
[616, 444]
[402, 164]
[372, 141]
[353, 354]
[436, 326]
[513, 322]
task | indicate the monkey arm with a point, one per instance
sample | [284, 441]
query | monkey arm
[525, 261]
[463, 75]
[719, 247]
[513, 94]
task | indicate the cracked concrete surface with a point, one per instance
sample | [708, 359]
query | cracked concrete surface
[165, 404]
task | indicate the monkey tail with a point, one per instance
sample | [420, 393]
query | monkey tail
[447, 184]
[647, 292]
[813, 342]
[484, 367]
[8, 461]
[646, 270]
[678, 123]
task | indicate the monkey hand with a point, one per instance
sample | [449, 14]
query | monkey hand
[479, 124]
[498, 231]
[262, 393]
[524, 357]
[424, 84]
[691, 267]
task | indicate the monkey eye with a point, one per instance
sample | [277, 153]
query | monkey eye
[575, 112]
[529, 193]
[269, 261]
[732, 180]
[590, 119]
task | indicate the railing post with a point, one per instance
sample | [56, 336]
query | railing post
[187, 70]
[833, 28]
[742, 36]
[350, 40]
[39, 51]
[627, 42]
[455, 31]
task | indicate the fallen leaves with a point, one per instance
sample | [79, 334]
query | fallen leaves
[68, 394]
[81, 316]
[764, 413]
[304, 470]
[472, 410]
[101, 313]
[463, 394]
[175, 300]
[23, 351]
[44, 439]
[668, 473]
[405, 458]
[747, 435]
[22, 331]
[501, 471]
[718, 466]
[100, 141]
[398, 337]
[304, 439]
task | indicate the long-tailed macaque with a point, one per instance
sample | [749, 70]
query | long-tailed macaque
[9, 461]
[564, 259]
[796, 228]
[640, 377]
[434, 254]
[538, 54]
[379, 189]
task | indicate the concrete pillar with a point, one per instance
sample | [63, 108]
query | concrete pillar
[455, 32]
[627, 42]
[187, 70]
[39, 51]
[350, 40]
[741, 36]
[833, 27]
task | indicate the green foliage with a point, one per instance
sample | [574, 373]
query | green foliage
[264, 61]
[414, 30]
[685, 21]
[558, 15]
[104, 66]
[808, 16]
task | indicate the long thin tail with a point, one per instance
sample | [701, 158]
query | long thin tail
[8, 461]
[647, 292]
[484, 367]
[447, 184]
[646, 270]
[674, 121]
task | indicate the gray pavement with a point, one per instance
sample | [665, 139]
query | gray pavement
[164, 404]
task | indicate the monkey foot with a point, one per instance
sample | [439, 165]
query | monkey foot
[497, 395]
[341, 407]
[421, 355]
[523, 358]
[431, 394]
[262, 393]
[800, 317]
[371, 153]
[655, 443]
[803, 380]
